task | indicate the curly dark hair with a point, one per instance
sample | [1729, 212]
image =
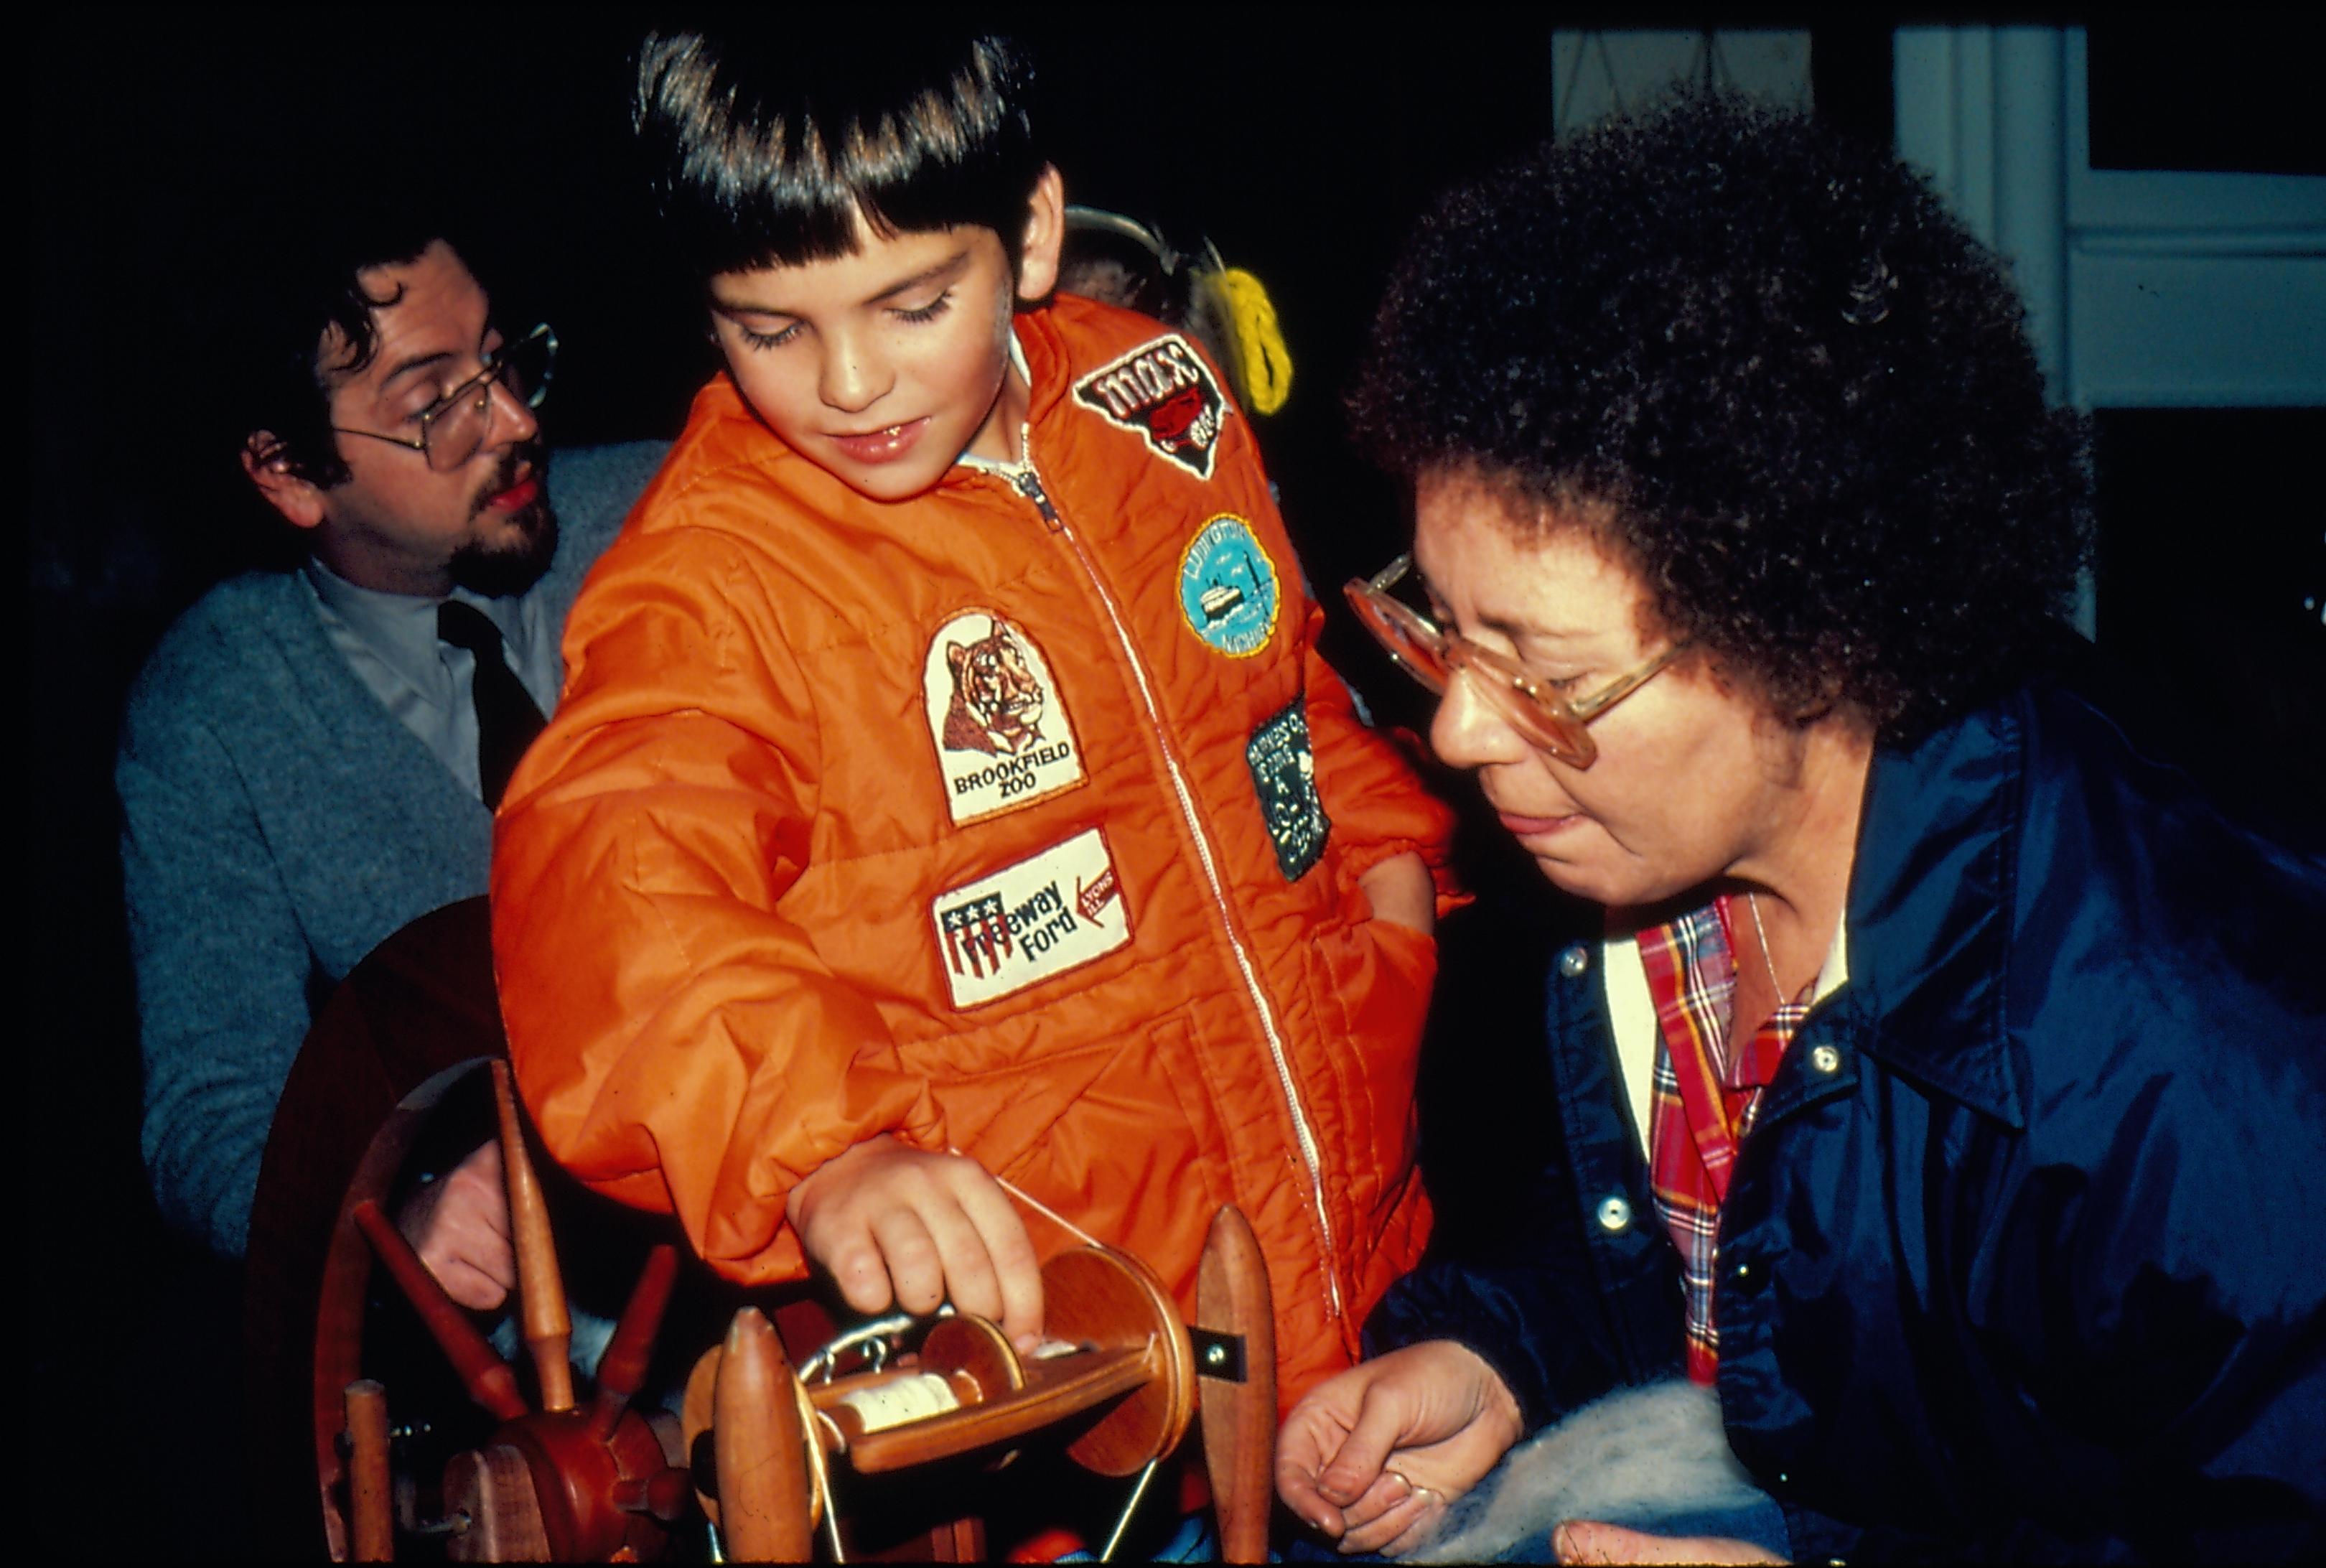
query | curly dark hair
[1778, 380]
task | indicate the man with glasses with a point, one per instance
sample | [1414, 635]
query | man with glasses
[311, 757]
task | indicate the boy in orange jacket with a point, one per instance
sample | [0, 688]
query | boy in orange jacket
[946, 785]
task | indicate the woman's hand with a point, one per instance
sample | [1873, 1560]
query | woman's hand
[1588, 1541]
[1374, 1456]
[890, 1222]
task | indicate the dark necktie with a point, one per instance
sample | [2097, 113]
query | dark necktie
[506, 718]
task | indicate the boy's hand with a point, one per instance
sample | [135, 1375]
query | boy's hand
[1400, 889]
[891, 1222]
[1374, 1456]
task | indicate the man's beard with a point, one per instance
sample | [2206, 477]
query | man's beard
[515, 562]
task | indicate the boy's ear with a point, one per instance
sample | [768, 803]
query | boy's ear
[268, 464]
[1044, 237]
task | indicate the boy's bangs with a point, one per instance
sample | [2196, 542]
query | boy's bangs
[911, 145]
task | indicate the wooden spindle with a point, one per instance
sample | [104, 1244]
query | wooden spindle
[623, 1367]
[761, 1450]
[484, 1375]
[1231, 1297]
[371, 1497]
[548, 1330]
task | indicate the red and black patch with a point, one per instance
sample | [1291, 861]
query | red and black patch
[1165, 392]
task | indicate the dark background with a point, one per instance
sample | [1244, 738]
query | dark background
[155, 137]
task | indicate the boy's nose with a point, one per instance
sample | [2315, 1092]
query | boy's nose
[853, 377]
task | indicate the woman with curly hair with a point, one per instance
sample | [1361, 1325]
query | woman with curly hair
[1944, 1103]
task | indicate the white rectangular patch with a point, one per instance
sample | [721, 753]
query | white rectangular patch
[1042, 917]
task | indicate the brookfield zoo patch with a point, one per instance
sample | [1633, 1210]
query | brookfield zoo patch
[1002, 736]
[1284, 777]
[1227, 587]
[1164, 391]
[1042, 917]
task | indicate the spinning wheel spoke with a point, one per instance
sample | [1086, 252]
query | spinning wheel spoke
[622, 1368]
[486, 1378]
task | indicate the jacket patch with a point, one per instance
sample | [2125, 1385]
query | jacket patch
[1284, 776]
[1002, 734]
[1165, 392]
[1042, 917]
[1227, 588]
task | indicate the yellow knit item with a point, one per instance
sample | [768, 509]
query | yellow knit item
[1263, 364]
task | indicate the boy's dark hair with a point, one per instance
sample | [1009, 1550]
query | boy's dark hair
[762, 148]
[1778, 379]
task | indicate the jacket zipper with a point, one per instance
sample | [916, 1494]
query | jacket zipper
[1029, 484]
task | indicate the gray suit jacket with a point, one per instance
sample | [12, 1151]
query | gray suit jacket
[277, 824]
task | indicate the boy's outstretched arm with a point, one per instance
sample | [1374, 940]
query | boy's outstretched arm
[890, 1222]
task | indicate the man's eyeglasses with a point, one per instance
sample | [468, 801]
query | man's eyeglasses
[456, 425]
[1433, 657]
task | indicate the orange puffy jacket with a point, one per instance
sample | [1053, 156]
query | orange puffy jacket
[1023, 819]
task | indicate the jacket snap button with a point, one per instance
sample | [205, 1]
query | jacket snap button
[1825, 1060]
[1573, 961]
[1614, 1215]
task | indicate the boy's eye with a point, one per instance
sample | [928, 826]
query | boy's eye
[776, 340]
[929, 312]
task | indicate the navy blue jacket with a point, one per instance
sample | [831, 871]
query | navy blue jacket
[2025, 1256]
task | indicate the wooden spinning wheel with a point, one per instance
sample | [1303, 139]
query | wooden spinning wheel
[578, 1474]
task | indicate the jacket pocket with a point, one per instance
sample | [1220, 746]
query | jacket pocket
[1374, 979]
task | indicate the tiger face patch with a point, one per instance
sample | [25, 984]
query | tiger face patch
[1165, 392]
[1002, 737]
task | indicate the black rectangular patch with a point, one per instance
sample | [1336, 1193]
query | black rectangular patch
[1284, 777]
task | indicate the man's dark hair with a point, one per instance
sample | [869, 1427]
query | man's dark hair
[301, 280]
[1775, 377]
[762, 148]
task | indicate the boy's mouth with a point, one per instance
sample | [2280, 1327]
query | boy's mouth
[885, 444]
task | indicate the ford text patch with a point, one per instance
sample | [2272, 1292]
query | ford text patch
[1042, 917]
[1227, 587]
[1284, 777]
[1165, 392]
[1001, 732]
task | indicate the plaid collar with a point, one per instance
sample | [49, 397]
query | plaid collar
[1704, 1096]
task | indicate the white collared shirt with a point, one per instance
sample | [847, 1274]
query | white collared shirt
[389, 640]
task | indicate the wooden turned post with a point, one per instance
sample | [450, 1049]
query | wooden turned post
[548, 1329]
[371, 1498]
[1231, 1297]
[760, 1449]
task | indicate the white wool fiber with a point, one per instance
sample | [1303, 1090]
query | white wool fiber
[1635, 1455]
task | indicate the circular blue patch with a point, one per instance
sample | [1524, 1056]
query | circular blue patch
[1227, 588]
